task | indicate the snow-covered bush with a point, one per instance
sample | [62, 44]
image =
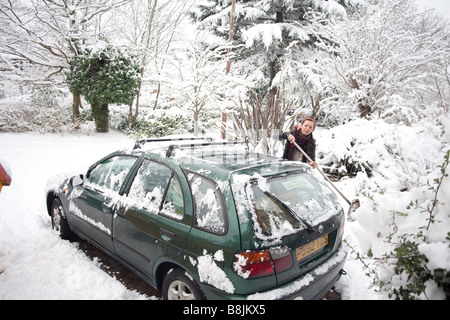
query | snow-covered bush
[260, 124]
[47, 96]
[400, 235]
[416, 263]
[398, 152]
[40, 112]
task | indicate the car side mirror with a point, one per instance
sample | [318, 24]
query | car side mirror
[77, 180]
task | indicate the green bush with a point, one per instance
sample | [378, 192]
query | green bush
[104, 77]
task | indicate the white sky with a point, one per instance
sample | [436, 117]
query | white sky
[441, 6]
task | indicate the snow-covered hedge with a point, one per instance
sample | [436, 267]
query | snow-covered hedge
[401, 232]
[43, 111]
[399, 153]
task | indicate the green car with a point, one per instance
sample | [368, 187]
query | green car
[207, 220]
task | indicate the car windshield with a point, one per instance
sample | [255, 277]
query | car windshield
[289, 203]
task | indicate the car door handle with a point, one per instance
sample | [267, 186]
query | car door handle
[107, 207]
[167, 235]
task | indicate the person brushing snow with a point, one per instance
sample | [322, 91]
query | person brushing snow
[303, 135]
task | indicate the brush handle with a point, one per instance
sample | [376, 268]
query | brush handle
[322, 173]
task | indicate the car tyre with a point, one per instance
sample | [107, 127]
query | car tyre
[178, 286]
[59, 220]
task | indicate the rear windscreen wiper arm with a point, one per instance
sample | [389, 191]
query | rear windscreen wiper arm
[288, 209]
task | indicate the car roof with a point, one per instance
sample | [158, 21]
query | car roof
[218, 160]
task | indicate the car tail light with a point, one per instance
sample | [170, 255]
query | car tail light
[255, 264]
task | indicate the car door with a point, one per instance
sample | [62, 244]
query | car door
[94, 202]
[149, 223]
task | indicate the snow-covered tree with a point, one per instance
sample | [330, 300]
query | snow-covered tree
[263, 30]
[150, 28]
[48, 34]
[266, 35]
[387, 60]
[200, 84]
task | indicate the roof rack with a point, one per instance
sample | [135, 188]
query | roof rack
[139, 143]
[171, 148]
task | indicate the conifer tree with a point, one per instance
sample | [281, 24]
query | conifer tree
[263, 30]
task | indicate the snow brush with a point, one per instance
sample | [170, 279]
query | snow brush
[353, 204]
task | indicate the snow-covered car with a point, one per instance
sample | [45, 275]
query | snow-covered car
[207, 220]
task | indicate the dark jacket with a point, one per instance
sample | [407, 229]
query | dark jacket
[307, 143]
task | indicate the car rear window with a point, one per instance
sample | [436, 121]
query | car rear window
[287, 204]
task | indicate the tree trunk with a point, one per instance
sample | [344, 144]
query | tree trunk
[231, 35]
[315, 104]
[365, 110]
[158, 91]
[223, 128]
[101, 117]
[133, 117]
[195, 124]
[76, 105]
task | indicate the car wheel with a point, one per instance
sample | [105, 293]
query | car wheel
[59, 220]
[178, 286]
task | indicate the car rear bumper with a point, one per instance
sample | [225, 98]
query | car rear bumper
[313, 285]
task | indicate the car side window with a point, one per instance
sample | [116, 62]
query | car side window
[173, 206]
[154, 183]
[111, 173]
[209, 210]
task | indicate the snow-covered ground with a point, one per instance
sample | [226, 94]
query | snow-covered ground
[36, 264]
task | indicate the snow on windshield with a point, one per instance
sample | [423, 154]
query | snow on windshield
[307, 196]
[278, 205]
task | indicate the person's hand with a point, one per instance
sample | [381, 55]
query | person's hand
[291, 138]
[314, 164]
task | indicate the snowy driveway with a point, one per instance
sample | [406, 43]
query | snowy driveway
[34, 262]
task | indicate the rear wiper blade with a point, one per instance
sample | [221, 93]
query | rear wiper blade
[288, 209]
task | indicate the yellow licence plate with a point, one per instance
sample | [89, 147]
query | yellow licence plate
[309, 248]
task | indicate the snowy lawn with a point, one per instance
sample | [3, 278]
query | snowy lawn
[36, 264]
